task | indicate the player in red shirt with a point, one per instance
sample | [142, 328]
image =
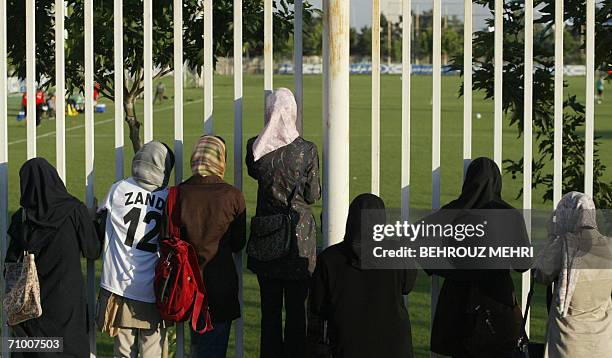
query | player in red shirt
[40, 102]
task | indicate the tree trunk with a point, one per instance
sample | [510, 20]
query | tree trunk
[132, 121]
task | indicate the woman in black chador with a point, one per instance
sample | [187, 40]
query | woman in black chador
[477, 313]
[364, 309]
[58, 230]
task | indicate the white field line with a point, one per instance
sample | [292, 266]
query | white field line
[108, 120]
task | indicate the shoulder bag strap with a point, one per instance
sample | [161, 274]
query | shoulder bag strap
[174, 215]
[200, 304]
[528, 303]
[24, 233]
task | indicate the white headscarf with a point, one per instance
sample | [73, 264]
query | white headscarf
[575, 213]
[280, 123]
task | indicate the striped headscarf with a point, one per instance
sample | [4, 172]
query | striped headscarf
[208, 157]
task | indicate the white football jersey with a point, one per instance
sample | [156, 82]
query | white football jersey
[131, 244]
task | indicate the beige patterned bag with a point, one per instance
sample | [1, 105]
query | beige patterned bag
[22, 301]
[22, 298]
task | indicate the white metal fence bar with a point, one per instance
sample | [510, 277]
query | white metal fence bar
[527, 137]
[147, 13]
[239, 337]
[406, 50]
[499, 71]
[325, 116]
[31, 76]
[60, 91]
[375, 176]
[435, 140]
[298, 62]
[3, 162]
[268, 47]
[467, 85]
[336, 120]
[436, 105]
[558, 126]
[177, 13]
[208, 66]
[118, 90]
[178, 88]
[89, 161]
[178, 127]
[590, 97]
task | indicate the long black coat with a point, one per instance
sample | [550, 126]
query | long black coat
[278, 173]
[62, 290]
[464, 289]
[364, 309]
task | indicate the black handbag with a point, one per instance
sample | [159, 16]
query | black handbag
[494, 327]
[525, 348]
[271, 235]
[324, 347]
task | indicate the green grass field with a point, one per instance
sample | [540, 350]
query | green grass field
[420, 188]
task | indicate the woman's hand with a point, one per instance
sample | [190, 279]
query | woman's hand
[93, 210]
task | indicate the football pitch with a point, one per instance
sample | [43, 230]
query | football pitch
[360, 140]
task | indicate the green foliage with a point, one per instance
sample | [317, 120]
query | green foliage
[313, 36]
[193, 28]
[452, 37]
[163, 42]
[543, 93]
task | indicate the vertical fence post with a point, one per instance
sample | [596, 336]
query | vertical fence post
[31, 76]
[590, 97]
[268, 45]
[499, 73]
[118, 67]
[325, 116]
[178, 88]
[467, 85]
[3, 165]
[89, 161]
[238, 158]
[435, 141]
[298, 63]
[336, 120]
[375, 97]
[208, 66]
[558, 136]
[60, 91]
[406, 77]
[177, 12]
[147, 14]
[527, 139]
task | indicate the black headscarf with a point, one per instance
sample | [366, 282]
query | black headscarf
[365, 211]
[481, 188]
[46, 202]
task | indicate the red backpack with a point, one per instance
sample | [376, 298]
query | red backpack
[179, 288]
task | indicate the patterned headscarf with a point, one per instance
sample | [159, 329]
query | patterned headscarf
[280, 123]
[208, 157]
[575, 213]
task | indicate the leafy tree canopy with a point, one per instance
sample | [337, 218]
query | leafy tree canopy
[543, 91]
[193, 41]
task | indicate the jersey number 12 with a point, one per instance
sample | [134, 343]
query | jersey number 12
[133, 218]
